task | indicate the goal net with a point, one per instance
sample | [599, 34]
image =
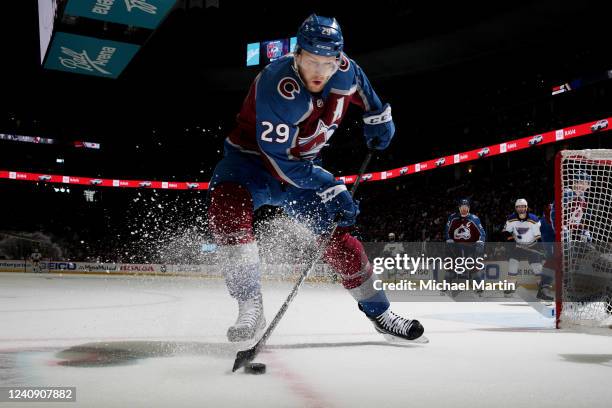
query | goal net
[583, 226]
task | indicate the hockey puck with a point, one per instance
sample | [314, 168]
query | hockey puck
[255, 368]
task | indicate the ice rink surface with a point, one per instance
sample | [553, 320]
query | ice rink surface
[160, 342]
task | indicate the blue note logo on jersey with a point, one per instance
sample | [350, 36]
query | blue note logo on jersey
[140, 13]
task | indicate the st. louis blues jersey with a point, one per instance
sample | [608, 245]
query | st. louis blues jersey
[287, 126]
[524, 232]
[393, 249]
[464, 229]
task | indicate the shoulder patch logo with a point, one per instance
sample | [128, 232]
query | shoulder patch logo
[344, 64]
[288, 88]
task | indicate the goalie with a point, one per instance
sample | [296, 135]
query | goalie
[589, 276]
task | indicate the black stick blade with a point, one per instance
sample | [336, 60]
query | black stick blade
[243, 357]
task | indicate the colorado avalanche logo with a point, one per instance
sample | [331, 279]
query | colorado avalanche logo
[576, 216]
[288, 88]
[309, 147]
[344, 64]
[463, 232]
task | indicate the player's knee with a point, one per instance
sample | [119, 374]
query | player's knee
[230, 214]
[346, 255]
[536, 268]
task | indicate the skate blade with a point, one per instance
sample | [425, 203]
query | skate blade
[238, 336]
[398, 340]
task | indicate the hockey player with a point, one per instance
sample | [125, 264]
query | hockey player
[36, 256]
[463, 226]
[465, 235]
[523, 228]
[272, 157]
[575, 202]
[391, 250]
[392, 247]
[585, 252]
[547, 230]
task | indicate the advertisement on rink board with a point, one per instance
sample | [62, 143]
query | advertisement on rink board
[407, 271]
[107, 268]
[12, 266]
[434, 266]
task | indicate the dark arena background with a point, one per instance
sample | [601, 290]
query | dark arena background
[112, 281]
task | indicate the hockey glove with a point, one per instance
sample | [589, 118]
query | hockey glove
[340, 205]
[379, 128]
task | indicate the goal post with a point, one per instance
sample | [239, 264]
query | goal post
[583, 228]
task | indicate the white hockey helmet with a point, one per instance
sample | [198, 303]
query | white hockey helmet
[520, 201]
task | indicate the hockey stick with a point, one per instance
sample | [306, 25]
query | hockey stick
[246, 356]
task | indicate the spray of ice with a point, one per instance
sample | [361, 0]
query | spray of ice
[172, 229]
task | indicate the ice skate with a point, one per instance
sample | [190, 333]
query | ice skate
[250, 321]
[397, 329]
[545, 293]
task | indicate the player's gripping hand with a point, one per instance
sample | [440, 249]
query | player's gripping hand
[340, 205]
[379, 128]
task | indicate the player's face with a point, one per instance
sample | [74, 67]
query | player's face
[521, 209]
[581, 186]
[315, 70]
[464, 210]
